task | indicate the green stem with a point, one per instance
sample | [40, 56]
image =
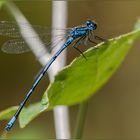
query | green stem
[81, 118]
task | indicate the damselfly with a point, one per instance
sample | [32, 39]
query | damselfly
[75, 36]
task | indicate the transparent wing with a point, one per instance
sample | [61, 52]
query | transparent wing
[15, 46]
[18, 46]
[11, 29]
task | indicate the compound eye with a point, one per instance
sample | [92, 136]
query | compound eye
[95, 25]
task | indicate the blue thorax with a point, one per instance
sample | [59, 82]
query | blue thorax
[84, 30]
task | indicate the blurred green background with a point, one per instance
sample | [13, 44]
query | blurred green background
[114, 111]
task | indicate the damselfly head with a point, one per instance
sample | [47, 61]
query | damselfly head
[91, 25]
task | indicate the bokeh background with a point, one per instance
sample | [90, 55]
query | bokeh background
[114, 111]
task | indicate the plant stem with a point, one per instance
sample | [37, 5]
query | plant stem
[61, 113]
[81, 118]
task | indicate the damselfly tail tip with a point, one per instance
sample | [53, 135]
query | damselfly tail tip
[10, 123]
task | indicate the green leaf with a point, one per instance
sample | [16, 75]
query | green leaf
[81, 79]
[29, 113]
[8, 113]
[137, 25]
